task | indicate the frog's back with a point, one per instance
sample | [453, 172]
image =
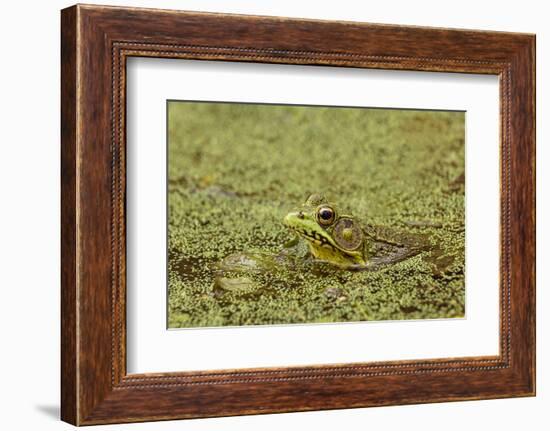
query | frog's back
[389, 245]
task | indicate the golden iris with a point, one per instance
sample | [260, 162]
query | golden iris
[325, 215]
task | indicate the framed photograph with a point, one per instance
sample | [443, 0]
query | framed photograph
[264, 214]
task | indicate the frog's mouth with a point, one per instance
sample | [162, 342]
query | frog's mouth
[310, 230]
[316, 238]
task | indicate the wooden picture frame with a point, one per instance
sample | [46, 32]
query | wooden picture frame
[95, 43]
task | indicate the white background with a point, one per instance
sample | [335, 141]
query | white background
[29, 224]
[151, 348]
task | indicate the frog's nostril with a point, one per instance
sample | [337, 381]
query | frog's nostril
[300, 214]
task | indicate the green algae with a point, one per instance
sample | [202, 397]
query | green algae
[235, 170]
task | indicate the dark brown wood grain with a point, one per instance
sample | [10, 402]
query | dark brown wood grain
[68, 217]
[96, 41]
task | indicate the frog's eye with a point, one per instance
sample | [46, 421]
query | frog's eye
[325, 215]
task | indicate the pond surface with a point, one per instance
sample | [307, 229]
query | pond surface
[236, 170]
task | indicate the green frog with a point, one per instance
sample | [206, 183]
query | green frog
[341, 240]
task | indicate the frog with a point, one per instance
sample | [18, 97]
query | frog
[342, 240]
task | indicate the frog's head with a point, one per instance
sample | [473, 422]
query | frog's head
[332, 237]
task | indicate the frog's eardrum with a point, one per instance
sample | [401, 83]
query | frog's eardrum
[348, 234]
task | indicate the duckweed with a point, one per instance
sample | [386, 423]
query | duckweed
[235, 170]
